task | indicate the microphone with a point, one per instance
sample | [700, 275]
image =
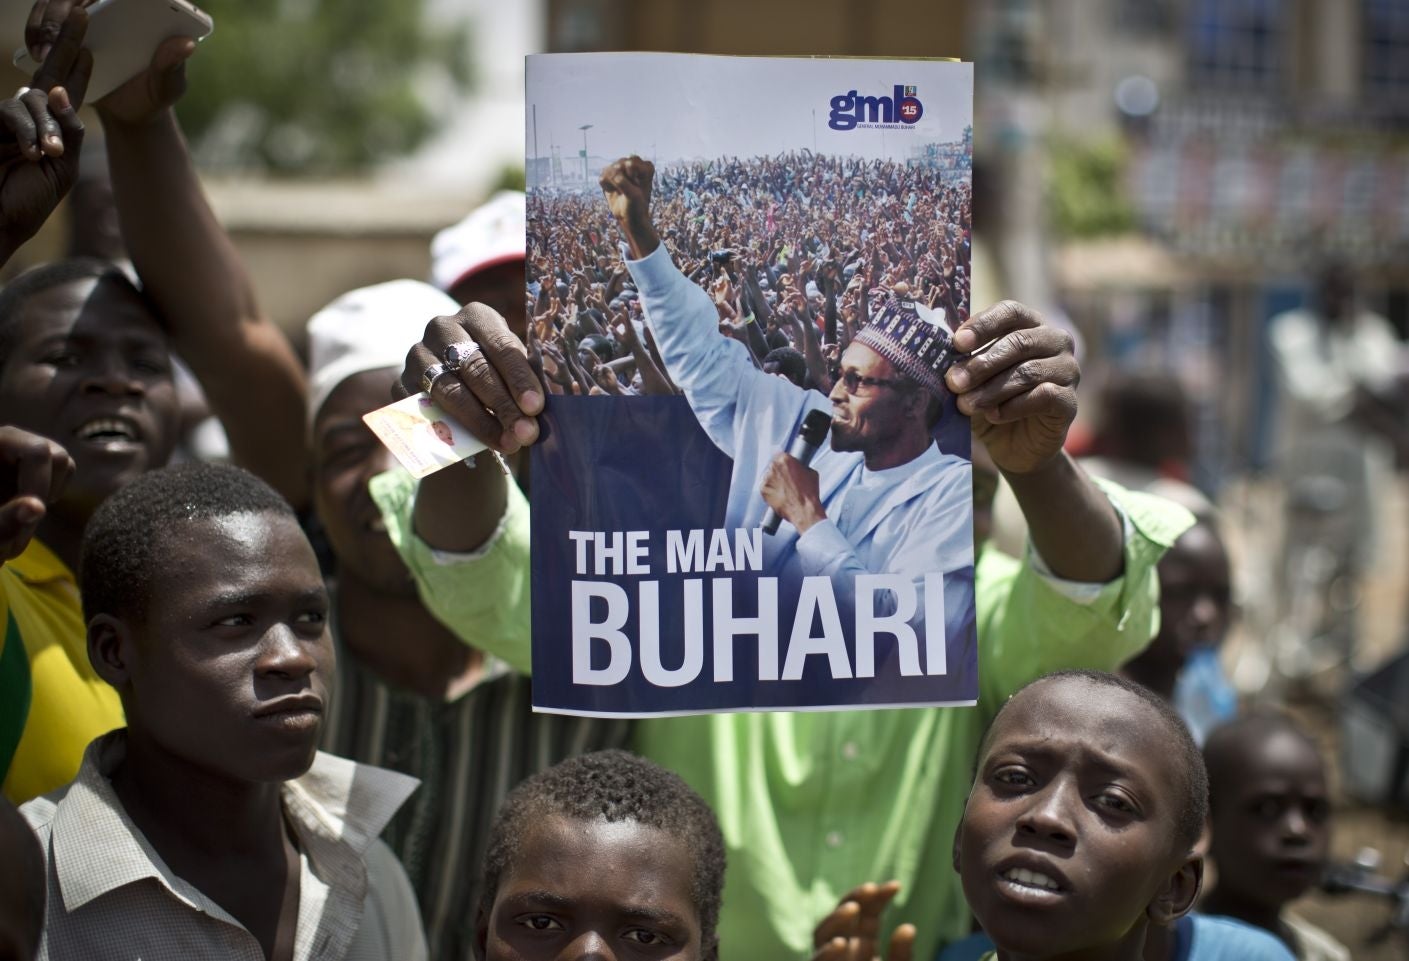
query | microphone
[803, 447]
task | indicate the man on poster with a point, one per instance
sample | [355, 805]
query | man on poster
[880, 498]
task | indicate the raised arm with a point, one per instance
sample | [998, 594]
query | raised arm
[1019, 389]
[41, 136]
[652, 380]
[196, 281]
[682, 318]
[627, 186]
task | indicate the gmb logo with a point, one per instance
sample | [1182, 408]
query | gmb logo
[850, 109]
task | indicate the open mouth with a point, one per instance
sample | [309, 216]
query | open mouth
[105, 430]
[1036, 880]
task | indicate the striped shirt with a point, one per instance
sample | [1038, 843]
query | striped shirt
[468, 753]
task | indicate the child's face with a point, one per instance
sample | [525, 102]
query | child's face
[1069, 832]
[1195, 597]
[230, 670]
[1271, 820]
[594, 889]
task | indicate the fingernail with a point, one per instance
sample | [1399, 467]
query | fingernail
[964, 340]
[28, 513]
[958, 378]
[508, 443]
[525, 431]
[531, 401]
[44, 52]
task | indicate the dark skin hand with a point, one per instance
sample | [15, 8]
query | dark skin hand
[33, 472]
[496, 396]
[45, 23]
[627, 187]
[41, 136]
[790, 488]
[1018, 387]
[852, 932]
[40, 140]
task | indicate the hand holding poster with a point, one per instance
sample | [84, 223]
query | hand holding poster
[773, 281]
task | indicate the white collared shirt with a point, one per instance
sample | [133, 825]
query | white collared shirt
[111, 896]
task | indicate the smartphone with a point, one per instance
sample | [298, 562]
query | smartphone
[123, 35]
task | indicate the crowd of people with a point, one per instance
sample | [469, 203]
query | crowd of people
[280, 710]
[798, 251]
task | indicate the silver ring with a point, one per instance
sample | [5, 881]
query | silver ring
[22, 91]
[458, 355]
[431, 375]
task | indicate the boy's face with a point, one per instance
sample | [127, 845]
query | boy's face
[1195, 605]
[1069, 832]
[594, 889]
[230, 669]
[346, 456]
[1195, 595]
[1271, 819]
[89, 369]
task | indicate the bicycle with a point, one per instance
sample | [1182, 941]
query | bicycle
[1360, 877]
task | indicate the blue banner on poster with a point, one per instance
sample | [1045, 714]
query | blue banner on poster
[645, 602]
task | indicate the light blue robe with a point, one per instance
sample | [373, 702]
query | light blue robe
[913, 519]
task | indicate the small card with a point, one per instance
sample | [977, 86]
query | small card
[420, 435]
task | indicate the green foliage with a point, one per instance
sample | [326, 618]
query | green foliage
[317, 86]
[1085, 188]
[510, 177]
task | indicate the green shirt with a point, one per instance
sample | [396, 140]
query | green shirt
[813, 804]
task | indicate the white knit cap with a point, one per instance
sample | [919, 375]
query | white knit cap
[368, 329]
[492, 234]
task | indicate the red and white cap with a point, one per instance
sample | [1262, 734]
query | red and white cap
[491, 235]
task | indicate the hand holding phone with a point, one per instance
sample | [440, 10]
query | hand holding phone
[126, 37]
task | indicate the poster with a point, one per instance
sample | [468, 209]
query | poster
[753, 315]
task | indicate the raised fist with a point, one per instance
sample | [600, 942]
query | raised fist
[626, 184]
